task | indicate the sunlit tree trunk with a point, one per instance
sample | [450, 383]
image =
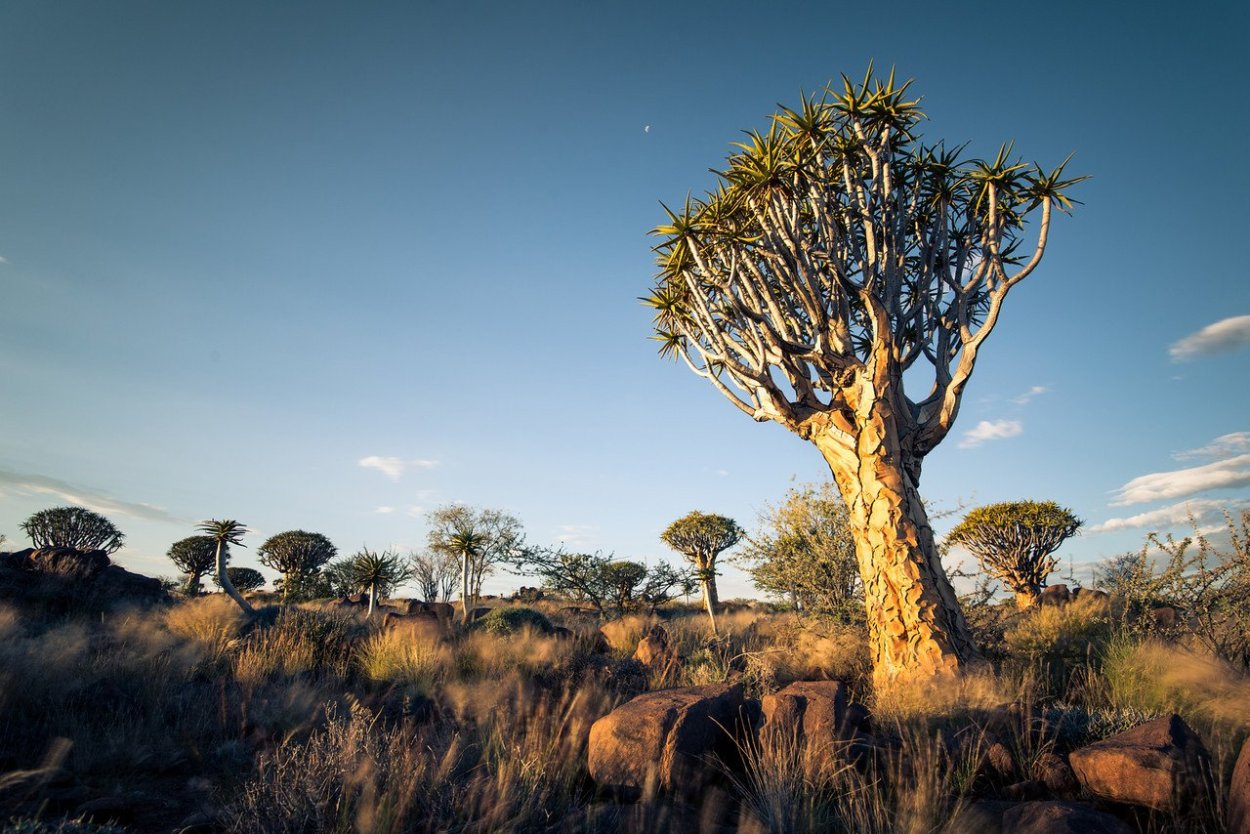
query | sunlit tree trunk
[223, 578]
[464, 591]
[915, 626]
[708, 582]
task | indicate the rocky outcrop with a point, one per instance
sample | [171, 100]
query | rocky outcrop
[1060, 818]
[812, 711]
[1161, 765]
[1239, 794]
[661, 741]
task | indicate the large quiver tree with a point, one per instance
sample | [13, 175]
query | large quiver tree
[837, 254]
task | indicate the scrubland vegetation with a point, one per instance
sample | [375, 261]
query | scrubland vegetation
[187, 714]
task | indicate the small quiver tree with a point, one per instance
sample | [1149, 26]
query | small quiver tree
[1015, 542]
[225, 532]
[243, 579]
[701, 537]
[838, 255]
[378, 574]
[194, 556]
[297, 555]
[75, 527]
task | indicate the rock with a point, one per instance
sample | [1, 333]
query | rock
[1239, 794]
[1053, 771]
[1029, 789]
[1000, 762]
[982, 817]
[1090, 594]
[68, 562]
[660, 740]
[425, 622]
[808, 711]
[1055, 595]
[599, 643]
[478, 613]
[654, 651]
[1162, 765]
[444, 611]
[1060, 818]
[1165, 617]
[117, 583]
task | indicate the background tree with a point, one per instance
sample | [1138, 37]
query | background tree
[1015, 542]
[295, 554]
[378, 574]
[435, 574]
[838, 254]
[225, 532]
[194, 556]
[805, 550]
[75, 527]
[602, 581]
[242, 579]
[479, 538]
[701, 537]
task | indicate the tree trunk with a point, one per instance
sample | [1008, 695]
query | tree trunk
[373, 594]
[223, 579]
[915, 627]
[709, 594]
[464, 591]
[1025, 597]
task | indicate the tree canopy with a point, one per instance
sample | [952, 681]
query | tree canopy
[1015, 541]
[242, 579]
[194, 556]
[295, 553]
[75, 527]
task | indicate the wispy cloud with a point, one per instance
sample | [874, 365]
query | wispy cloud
[1223, 446]
[30, 484]
[1035, 391]
[384, 510]
[990, 430]
[1178, 483]
[1222, 336]
[393, 467]
[1197, 509]
[577, 535]
[3, 259]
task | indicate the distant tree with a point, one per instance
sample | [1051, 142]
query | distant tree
[75, 527]
[1123, 573]
[378, 574]
[336, 579]
[805, 550]
[295, 554]
[701, 537]
[1015, 541]
[194, 556]
[606, 583]
[841, 281]
[479, 538]
[226, 532]
[242, 579]
[436, 574]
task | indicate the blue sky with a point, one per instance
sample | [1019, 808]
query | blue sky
[248, 246]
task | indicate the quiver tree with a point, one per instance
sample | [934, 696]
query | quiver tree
[378, 574]
[296, 554]
[75, 527]
[243, 579]
[701, 537]
[479, 539]
[1015, 542]
[837, 254]
[194, 556]
[225, 532]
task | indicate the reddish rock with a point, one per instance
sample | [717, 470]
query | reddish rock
[1161, 765]
[654, 651]
[1000, 762]
[1029, 789]
[807, 710]
[1239, 794]
[1055, 595]
[1060, 818]
[662, 740]
[1053, 771]
[982, 817]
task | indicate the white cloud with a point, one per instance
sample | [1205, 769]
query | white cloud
[1178, 483]
[83, 497]
[990, 430]
[1035, 391]
[393, 467]
[3, 259]
[1221, 447]
[384, 510]
[415, 511]
[577, 535]
[1220, 337]
[1200, 509]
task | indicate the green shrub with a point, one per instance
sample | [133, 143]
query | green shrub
[502, 621]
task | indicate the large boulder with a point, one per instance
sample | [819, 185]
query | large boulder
[654, 650]
[1161, 765]
[1060, 818]
[1057, 595]
[807, 710]
[663, 740]
[1239, 794]
[69, 563]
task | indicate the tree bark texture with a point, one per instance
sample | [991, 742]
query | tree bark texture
[223, 578]
[915, 626]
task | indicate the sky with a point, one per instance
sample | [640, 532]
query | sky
[331, 265]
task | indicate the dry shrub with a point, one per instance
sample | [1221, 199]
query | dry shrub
[298, 642]
[944, 698]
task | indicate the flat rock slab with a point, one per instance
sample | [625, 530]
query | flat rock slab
[1060, 818]
[1161, 765]
[661, 740]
